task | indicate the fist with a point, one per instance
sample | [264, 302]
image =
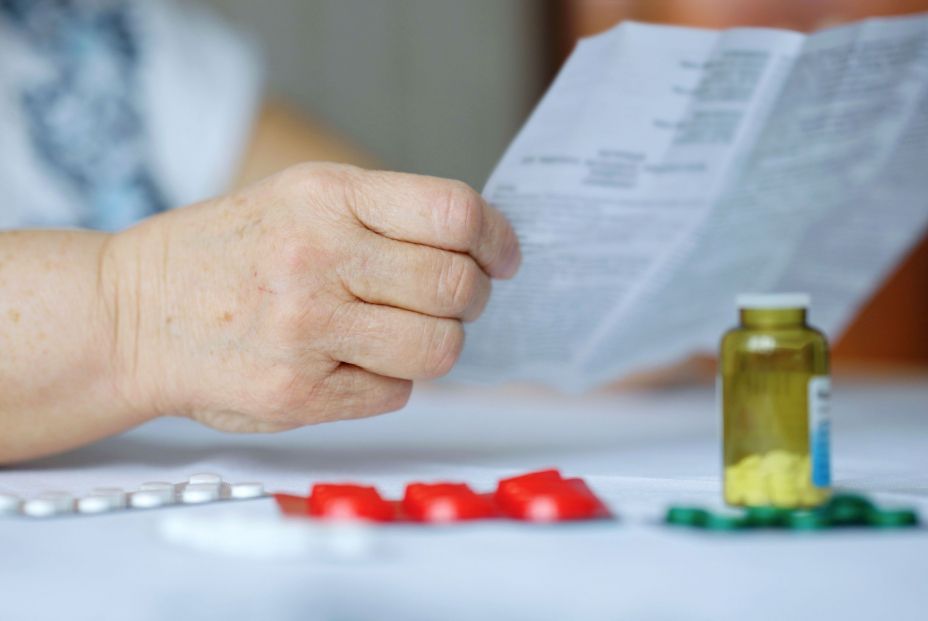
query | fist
[315, 295]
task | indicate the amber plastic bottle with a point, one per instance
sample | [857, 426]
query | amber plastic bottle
[774, 389]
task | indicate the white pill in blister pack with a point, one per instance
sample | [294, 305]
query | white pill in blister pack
[151, 498]
[48, 504]
[202, 488]
[39, 507]
[194, 493]
[97, 503]
[9, 503]
[246, 490]
[204, 477]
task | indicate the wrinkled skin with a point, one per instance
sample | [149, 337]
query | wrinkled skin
[315, 295]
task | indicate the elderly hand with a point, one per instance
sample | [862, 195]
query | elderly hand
[315, 295]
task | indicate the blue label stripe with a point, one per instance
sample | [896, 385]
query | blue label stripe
[821, 455]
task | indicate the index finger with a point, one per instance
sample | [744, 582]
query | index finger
[440, 213]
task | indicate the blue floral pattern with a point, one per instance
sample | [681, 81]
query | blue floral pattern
[84, 116]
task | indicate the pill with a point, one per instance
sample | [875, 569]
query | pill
[766, 516]
[777, 478]
[204, 477]
[348, 501]
[246, 490]
[48, 504]
[779, 461]
[444, 502]
[686, 516]
[892, 518]
[39, 507]
[97, 503]
[62, 501]
[148, 499]
[849, 510]
[783, 491]
[756, 497]
[194, 493]
[9, 503]
[724, 520]
[808, 520]
[751, 462]
[115, 495]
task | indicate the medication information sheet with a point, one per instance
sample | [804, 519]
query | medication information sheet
[668, 169]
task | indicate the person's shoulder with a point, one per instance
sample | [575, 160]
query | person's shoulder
[202, 85]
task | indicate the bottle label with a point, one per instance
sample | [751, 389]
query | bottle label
[820, 429]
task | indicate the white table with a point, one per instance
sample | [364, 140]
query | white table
[639, 451]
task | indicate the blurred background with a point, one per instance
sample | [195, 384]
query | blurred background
[441, 86]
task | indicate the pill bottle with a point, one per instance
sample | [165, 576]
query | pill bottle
[774, 392]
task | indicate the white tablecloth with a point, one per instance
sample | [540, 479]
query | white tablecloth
[639, 451]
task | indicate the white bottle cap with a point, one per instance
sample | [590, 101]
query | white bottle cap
[773, 301]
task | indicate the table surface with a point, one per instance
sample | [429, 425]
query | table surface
[640, 451]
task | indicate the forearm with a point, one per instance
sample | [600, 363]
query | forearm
[60, 379]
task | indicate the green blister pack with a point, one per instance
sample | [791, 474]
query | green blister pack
[841, 511]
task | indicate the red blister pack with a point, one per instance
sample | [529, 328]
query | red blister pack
[542, 496]
[445, 502]
[545, 496]
[349, 502]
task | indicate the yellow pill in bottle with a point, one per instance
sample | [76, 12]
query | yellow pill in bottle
[774, 390]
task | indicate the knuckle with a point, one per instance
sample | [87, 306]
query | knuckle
[328, 178]
[293, 255]
[324, 183]
[389, 399]
[459, 283]
[298, 181]
[461, 214]
[315, 174]
[395, 398]
[297, 173]
[444, 348]
[360, 398]
[295, 261]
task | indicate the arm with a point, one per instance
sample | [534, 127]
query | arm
[60, 385]
[59, 382]
[313, 295]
